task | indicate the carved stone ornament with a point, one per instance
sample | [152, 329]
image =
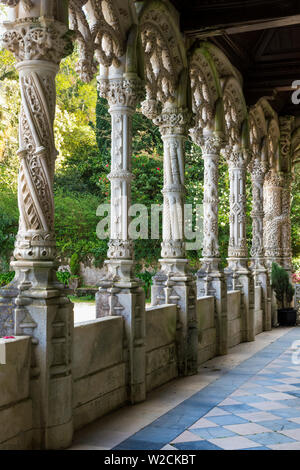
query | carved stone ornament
[100, 31]
[37, 39]
[121, 91]
[162, 55]
[38, 45]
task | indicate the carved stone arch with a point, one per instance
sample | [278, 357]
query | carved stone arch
[207, 102]
[273, 139]
[165, 61]
[236, 116]
[222, 64]
[101, 28]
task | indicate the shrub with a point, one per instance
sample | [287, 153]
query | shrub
[284, 291]
[6, 278]
[75, 264]
[63, 277]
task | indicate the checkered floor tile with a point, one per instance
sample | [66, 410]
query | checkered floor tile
[260, 412]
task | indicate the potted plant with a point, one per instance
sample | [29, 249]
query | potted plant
[284, 292]
[74, 280]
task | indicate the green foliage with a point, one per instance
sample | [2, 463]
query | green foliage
[63, 277]
[75, 264]
[83, 138]
[6, 278]
[146, 277]
[290, 292]
[284, 291]
[8, 224]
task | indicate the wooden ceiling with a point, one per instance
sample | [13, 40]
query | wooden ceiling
[260, 37]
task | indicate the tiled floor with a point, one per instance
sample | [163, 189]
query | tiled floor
[252, 403]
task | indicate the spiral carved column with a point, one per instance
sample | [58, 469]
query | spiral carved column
[35, 303]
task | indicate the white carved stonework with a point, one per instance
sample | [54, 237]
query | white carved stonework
[100, 28]
[38, 45]
[273, 217]
[258, 170]
[123, 95]
[211, 146]
[237, 162]
[162, 56]
[38, 304]
[173, 124]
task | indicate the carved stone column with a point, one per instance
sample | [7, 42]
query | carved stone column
[286, 236]
[238, 253]
[258, 170]
[210, 278]
[273, 187]
[36, 304]
[173, 283]
[120, 293]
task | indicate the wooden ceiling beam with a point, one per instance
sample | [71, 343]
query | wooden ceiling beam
[219, 30]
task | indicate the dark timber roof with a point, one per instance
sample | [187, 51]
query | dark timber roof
[260, 37]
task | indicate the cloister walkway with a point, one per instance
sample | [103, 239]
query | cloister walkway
[249, 399]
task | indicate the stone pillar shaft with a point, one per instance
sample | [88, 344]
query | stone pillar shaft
[273, 188]
[261, 278]
[37, 305]
[120, 293]
[286, 236]
[210, 278]
[238, 252]
[173, 283]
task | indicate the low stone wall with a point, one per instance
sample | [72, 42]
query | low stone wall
[15, 404]
[161, 360]
[207, 335]
[258, 319]
[99, 370]
[234, 318]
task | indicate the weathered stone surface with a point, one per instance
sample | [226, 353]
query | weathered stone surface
[14, 375]
[15, 419]
[99, 344]
[98, 384]
[206, 312]
[160, 326]
[95, 409]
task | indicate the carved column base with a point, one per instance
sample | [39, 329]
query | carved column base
[173, 284]
[240, 278]
[262, 279]
[211, 281]
[120, 294]
[39, 307]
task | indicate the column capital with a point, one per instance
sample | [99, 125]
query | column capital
[171, 119]
[237, 157]
[211, 144]
[258, 168]
[42, 39]
[121, 92]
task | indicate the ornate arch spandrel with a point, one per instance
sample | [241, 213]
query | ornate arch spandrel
[207, 103]
[165, 62]
[100, 28]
